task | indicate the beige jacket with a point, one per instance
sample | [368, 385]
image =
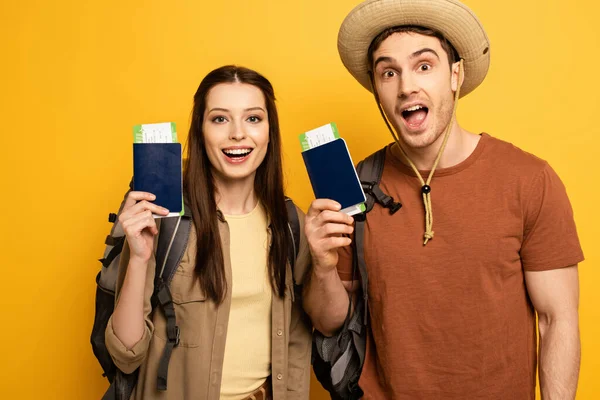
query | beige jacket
[196, 364]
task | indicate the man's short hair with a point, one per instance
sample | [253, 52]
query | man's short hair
[446, 45]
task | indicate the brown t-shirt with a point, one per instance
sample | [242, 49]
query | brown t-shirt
[452, 320]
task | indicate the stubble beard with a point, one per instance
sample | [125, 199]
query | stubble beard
[441, 120]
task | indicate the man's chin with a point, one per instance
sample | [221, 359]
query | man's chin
[417, 140]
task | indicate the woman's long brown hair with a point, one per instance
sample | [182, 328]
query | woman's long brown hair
[199, 187]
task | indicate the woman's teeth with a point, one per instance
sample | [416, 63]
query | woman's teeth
[237, 152]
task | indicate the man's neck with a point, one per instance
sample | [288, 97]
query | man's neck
[235, 197]
[461, 144]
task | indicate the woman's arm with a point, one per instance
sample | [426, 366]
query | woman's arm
[129, 328]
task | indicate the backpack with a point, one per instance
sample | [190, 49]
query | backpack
[338, 360]
[172, 242]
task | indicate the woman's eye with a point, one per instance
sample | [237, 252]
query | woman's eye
[219, 120]
[254, 119]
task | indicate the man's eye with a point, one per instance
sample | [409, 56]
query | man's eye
[389, 74]
[425, 67]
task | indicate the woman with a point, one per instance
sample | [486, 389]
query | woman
[241, 335]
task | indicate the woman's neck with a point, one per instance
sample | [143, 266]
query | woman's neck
[235, 197]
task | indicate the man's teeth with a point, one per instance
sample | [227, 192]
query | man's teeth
[237, 152]
[414, 108]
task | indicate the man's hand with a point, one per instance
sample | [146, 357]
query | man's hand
[325, 227]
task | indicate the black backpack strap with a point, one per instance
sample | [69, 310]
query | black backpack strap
[172, 242]
[117, 243]
[369, 172]
[165, 301]
[358, 260]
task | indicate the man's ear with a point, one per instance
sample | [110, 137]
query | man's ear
[371, 80]
[455, 76]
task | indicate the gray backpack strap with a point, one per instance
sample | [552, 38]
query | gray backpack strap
[172, 243]
[294, 226]
[107, 278]
[294, 245]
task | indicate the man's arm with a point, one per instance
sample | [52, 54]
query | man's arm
[325, 295]
[555, 296]
[326, 301]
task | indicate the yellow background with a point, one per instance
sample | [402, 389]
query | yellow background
[77, 75]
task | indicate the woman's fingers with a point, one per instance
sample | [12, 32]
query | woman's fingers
[141, 206]
[136, 224]
[133, 197]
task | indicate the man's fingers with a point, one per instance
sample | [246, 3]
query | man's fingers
[335, 217]
[320, 205]
[325, 211]
[337, 229]
[335, 242]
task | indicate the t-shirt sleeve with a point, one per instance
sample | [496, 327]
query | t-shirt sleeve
[550, 239]
[344, 266]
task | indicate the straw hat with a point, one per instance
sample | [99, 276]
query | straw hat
[451, 18]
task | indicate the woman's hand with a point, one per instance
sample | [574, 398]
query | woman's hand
[139, 224]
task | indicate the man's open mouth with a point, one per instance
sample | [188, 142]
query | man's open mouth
[415, 115]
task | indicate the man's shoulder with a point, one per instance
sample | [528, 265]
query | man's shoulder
[509, 157]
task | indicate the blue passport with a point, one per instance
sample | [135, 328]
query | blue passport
[332, 173]
[157, 169]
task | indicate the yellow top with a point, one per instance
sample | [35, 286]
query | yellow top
[247, 360]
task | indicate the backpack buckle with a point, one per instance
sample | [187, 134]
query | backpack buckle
[395, 206]
[173, 335]
[368, 186]
[387, 201]
[360, 217]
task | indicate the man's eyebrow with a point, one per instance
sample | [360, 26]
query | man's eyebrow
[382, 59]
[423, 51]
[413, 55]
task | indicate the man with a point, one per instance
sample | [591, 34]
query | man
[451, 309]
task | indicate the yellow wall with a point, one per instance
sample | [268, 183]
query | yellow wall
[77, 75]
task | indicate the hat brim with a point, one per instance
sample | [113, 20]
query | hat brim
[455, 21]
